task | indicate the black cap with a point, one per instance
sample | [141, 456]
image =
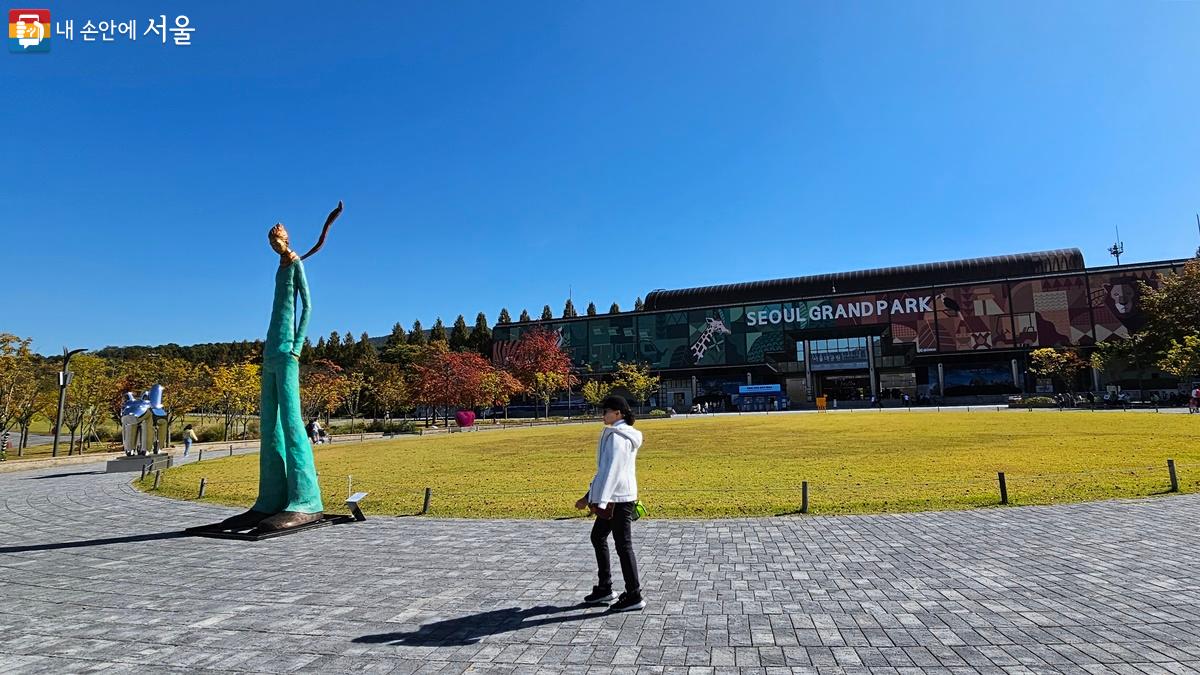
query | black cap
[615, 402]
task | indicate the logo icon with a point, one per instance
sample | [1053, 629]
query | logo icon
[29, 30]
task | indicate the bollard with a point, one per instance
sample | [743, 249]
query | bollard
[1003, 489]
[203, 482]
[349, 486]
[157, 477]
[143, 473]
[231, 451]
[200, 457]
[804, 497]
[428, 494]
[1174, 478]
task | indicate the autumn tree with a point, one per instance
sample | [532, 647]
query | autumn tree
[499, 387]
[1055, 362]
[637, 380]
[537, 351]
[14, 354]
[323, 389]
[235, 390]
[391, 389]
[1182, 358]
[595, 391]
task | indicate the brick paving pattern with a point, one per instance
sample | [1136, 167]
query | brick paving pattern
[94, 576]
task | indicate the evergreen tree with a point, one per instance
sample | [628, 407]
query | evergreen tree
[319, 350]
[638, 305]
[615, 309]
[366, 359]
[591, 309]
[525, 316]
[569, 310]
[416, 336]
[504, 317]
[397, 336]
[306, 351]
[459, 335]
[438, 332]
[349, 349]
[480, 339]
[333, 347]
[546, 313]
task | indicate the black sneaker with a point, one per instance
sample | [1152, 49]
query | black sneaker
[599, 595]
[627, 603]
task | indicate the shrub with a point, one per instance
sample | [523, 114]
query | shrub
[1034, 402]
[658, 412]
[210, 434]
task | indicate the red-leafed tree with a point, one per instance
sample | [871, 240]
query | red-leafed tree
[446, 379]
[541, 365]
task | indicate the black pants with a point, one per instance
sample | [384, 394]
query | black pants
[621, 527]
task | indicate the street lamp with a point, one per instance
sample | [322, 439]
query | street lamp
[64, 378]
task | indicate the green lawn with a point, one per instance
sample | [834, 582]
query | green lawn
[753, 466]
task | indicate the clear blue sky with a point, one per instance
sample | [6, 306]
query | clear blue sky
[493, 154]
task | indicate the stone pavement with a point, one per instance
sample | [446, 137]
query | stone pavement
[95, 576]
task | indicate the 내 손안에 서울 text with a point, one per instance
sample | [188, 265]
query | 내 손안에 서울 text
[30, 30]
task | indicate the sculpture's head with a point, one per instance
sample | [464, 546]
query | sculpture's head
[278, 237]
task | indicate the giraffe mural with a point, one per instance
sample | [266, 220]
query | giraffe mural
[707, 338]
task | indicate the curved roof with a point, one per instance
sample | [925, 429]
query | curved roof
[868, 281]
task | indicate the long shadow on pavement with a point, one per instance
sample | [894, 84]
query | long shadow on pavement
[64, 475]
[93, 542]
[468, 630]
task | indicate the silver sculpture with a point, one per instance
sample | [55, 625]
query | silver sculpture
[143, 423]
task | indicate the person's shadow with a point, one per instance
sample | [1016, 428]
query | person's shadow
[468, 630]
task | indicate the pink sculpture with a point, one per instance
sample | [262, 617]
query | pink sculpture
[465, 418]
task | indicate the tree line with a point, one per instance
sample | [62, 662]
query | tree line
[429, 373]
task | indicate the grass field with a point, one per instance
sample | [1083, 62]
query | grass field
[753, 466]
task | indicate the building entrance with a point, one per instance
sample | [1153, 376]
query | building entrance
[855, 387]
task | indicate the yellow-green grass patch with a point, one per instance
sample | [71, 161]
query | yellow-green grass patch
[859, 462]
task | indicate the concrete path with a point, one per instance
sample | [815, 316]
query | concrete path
[95, 575]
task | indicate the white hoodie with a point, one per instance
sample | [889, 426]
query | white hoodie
[616, 473]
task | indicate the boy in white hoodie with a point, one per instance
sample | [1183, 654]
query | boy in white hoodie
[612, 496]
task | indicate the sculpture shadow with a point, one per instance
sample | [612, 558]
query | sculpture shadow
[468, 630]
[64, 475]
[133, 538]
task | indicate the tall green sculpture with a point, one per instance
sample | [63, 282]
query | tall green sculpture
[288, 493]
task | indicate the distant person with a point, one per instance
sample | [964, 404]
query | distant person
[189, 437]
[907, 402]
[314, 431]
[1194, 402]
[612, 497]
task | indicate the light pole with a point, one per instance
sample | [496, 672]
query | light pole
[64, 378]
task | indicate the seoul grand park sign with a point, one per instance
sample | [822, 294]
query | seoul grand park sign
[876, 311]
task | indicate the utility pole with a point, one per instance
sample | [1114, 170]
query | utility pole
[1118, 247]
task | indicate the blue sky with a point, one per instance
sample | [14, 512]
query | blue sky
[496, 154]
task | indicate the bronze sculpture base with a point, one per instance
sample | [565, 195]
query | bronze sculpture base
[286, 520]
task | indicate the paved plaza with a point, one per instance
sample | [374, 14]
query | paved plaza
[96, 576]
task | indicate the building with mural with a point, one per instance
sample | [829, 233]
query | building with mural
[960, 328]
